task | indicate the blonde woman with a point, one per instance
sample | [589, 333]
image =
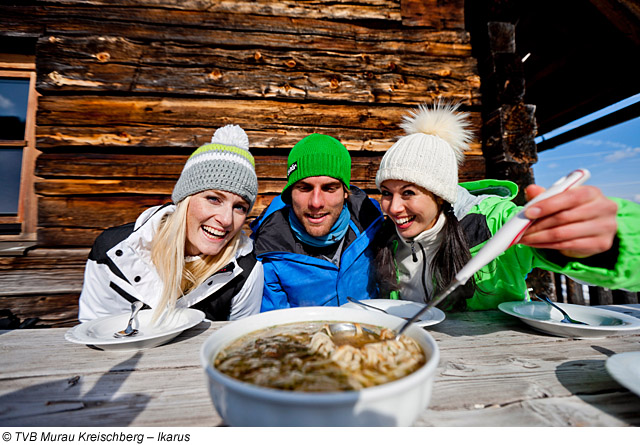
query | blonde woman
[189, 253]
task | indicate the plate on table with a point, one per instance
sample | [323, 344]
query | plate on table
[545, 318]
[625, 369]
[403, 309]
[99, 332]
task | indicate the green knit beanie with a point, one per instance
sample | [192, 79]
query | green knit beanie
[318, 155]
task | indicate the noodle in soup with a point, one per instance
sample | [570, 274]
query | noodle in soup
[306, 357]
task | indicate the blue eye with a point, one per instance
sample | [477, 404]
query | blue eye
[242, 209]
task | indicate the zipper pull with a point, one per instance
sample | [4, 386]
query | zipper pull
[413, 252]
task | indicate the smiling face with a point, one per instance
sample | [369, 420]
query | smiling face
[317, 202]
[412, 208]
[213, 218]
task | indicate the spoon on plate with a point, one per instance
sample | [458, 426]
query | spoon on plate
[566, 318]
[129, 331]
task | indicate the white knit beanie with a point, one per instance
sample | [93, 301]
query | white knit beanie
[432, 150]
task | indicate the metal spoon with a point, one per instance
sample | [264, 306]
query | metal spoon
[566, 318]
[368, 306]
[129, 331]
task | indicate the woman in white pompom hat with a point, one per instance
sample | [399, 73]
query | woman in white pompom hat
[435, 225]
[189, 253]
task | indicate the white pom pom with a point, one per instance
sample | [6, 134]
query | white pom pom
[442, 121]
[231, 135]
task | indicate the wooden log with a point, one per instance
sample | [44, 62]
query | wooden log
[103, 166]
[516, 127]
[559, 285]
[600, 296]
[218, 28]
[45, 259]
[95, 52]
[542, 282]
[363, 176]
[51, 310]
[118, 64]
[53, 280]
[575, 294]
[624, 297]
[250, 114]
[60, 237]
[93, 212]
[433, 13]
[276, 137]
[352, 10]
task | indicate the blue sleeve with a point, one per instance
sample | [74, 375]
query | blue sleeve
[273, 296]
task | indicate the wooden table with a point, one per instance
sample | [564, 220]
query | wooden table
[494, 371]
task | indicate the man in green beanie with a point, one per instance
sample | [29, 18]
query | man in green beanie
[314, 240]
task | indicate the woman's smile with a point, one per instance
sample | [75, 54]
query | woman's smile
[213, 233]
[412, 208]
[404, 223]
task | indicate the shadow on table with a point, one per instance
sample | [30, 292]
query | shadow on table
[63, 403]
[590, 381]
[195, 331]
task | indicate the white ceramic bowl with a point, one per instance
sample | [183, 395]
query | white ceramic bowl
[396, 403]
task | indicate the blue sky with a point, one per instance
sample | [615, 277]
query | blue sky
[612, 156]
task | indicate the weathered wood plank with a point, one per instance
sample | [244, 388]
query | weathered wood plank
[494, 371]
[363, 173]
[250, 114]
[119, 64]
[93, 212]
[600, 295]
[103, 50]
[45, 258]
[51, 309]
[276, 137]
[41, 281]
[433, 13]
[349, 10]
[104, 211]
[253, 31]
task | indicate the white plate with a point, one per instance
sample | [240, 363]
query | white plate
[545, 318]
[99, 332]
[403, 309]
[625, 369]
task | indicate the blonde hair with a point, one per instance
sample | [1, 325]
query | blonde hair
[167, 253]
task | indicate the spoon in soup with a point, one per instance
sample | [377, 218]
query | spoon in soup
[508, 235]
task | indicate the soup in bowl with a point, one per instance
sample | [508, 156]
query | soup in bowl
[261, 372]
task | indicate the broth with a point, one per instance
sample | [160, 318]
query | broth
[303, 357]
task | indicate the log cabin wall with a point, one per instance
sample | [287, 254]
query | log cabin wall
[130, 88]
[129, 91]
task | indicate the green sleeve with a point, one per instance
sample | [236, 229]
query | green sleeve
[625, 273]
[503, 279]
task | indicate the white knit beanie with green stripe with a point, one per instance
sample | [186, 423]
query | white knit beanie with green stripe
[225, 164]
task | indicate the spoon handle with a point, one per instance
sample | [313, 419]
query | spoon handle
[436, 300]
[368, 306]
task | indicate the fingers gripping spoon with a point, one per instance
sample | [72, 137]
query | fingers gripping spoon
[508, 235]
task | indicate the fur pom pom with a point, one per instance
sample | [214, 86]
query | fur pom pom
[231, 135]
[443, 121]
